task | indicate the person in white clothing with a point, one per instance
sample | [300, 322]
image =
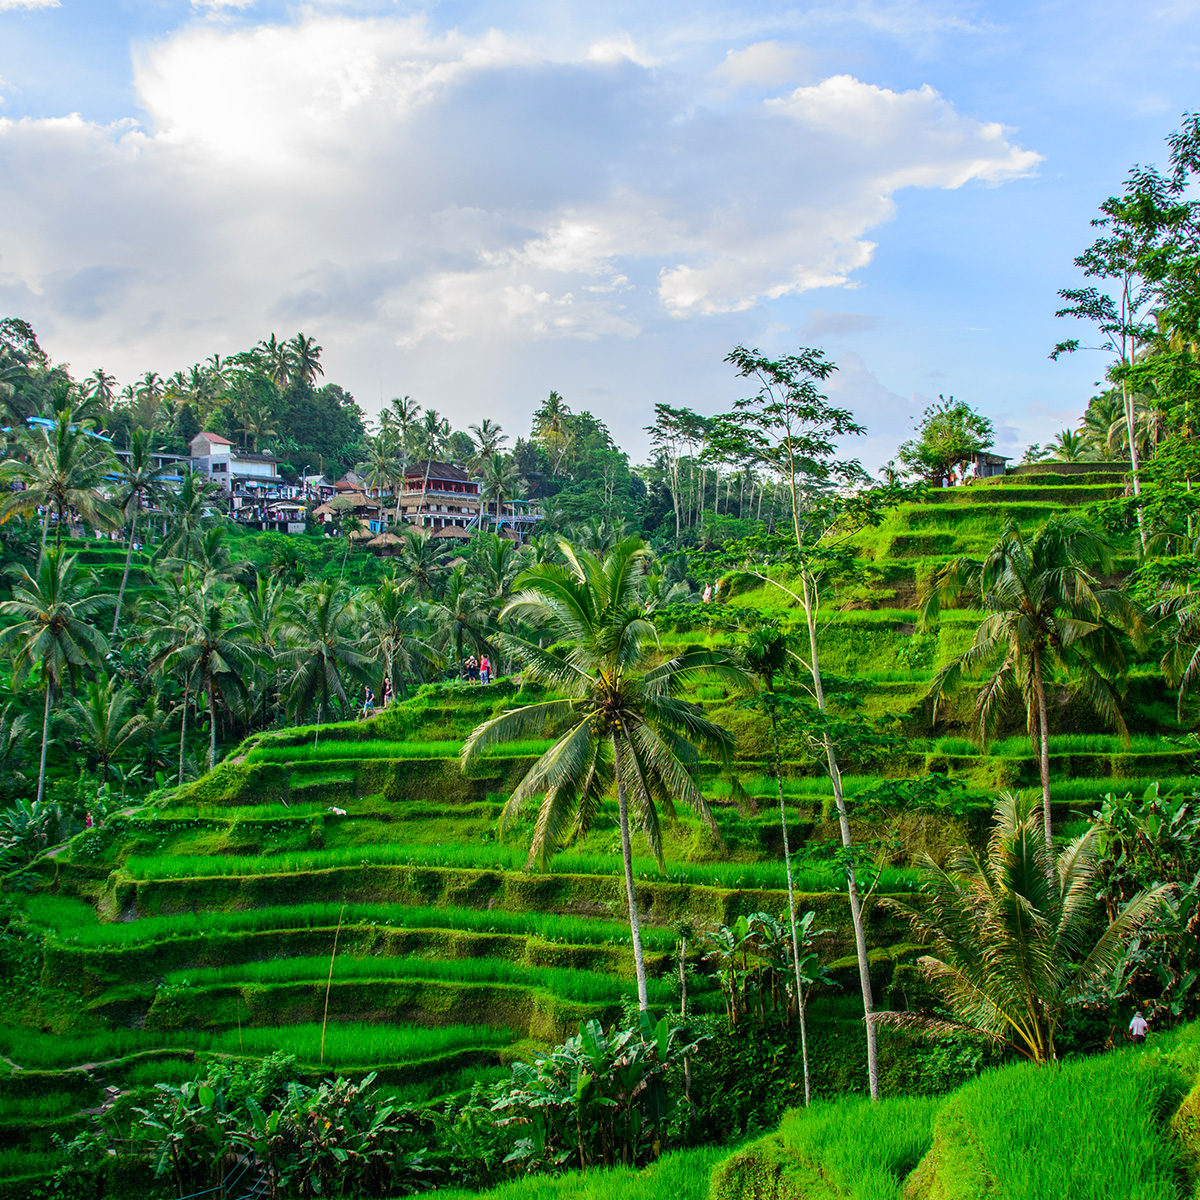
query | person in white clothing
[1138, 1027]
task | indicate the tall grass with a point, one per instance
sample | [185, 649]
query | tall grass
[38, 1108]
[770, 875]
[346, 1044]
[1089, 1128]
[679, 1175]
[550, 926]
[330, 751]
[850, 1147]
[580, 986]
[16, 1162]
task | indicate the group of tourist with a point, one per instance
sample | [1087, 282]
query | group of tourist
[477, 670]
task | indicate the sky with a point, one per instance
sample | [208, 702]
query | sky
[474, 204]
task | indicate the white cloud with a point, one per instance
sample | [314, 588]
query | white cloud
[766, 63]
[12, 5]
[384, 187]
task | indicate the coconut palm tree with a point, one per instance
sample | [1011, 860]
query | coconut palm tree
[462, 617]
[107, 720]
[305, 360]
[321, 630]
[419, 564]
[620, 721]
[139, 481]
[53, 610]
[396, 636]
[61, 472]
[1013, 935]
[1045, 610]
[190, 510]
[264, 615]
[207, 642]
[1070, 447]
[500, 480]
[382, 468]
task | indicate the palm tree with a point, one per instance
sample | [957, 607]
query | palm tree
[431, 436]
[64, 467]
[500, 479]
[100, 386]
[396, 635]
[1013, 935]
[405, 413]
[1070, 447]
[207, 643]
[620, 720]
[419, 564]
[488, 438]
[107, 720]
[1045, 609]
[305, 357]
[189, 512]
[382, 468]
[53, 630]
[275, 358]
[138, 481]
[462, 616]
[322, 631]
[551, 423]
[264, 615]
[257, 421]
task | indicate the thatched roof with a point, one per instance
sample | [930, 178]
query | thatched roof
[452, 531]
[387, 538]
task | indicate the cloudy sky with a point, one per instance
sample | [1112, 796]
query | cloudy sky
[473, 204]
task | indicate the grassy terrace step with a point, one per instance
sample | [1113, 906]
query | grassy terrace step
[503, 858]
[347, 1044]
[659, 902]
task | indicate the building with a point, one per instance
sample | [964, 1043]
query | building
[435, 495]
[988, 464]
[251, 482]
[369, 513]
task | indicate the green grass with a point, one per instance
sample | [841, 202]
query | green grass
[848, 1148]
[75, 923]
[570, 984]
[816, 878]
[1089, 1129]
[345, 1044]
[330, 751]
[38, 1108]
[678, 1175]
[17, 1162]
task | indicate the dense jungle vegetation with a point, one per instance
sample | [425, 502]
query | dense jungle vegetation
[817, 835]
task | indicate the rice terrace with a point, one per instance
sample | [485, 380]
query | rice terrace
[743, 782]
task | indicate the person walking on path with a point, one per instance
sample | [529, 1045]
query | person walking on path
[485, 669]
[1138, 1028]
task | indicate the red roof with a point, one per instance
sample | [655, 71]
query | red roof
[214, 439]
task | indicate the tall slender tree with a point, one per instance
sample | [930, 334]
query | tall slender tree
[621, 719]
[1046, 609]
[53, 631]
[139, 481]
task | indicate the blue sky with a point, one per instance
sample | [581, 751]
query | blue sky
[473, 204]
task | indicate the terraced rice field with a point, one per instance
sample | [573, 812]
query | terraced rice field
[206, 923]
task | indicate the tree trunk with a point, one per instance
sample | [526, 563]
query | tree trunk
[183, 731]
[212, 724]
[125, 573]
[639, 961]
[45, 738]
[856, 912]
[787, 861]
[1044, 738]
[1134, 465]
